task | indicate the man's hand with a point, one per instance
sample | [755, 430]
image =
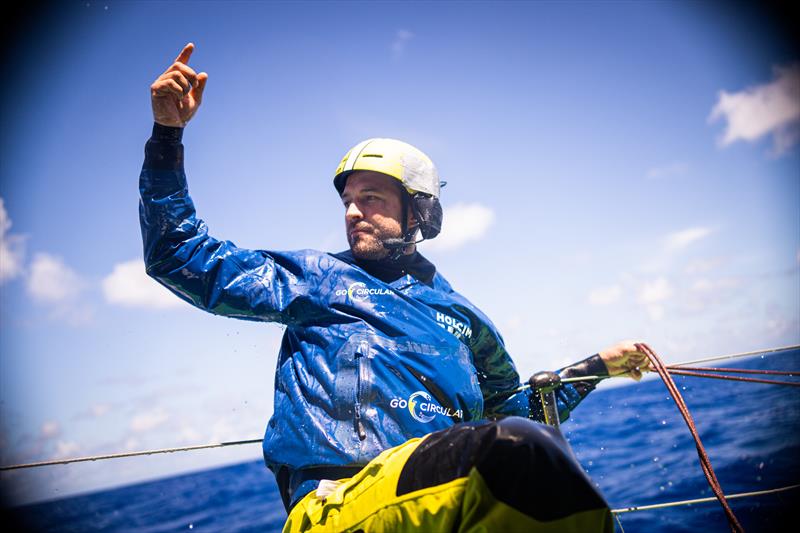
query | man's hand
[177, 93]
[625, 358]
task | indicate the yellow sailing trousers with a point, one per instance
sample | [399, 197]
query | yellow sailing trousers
[378, 500]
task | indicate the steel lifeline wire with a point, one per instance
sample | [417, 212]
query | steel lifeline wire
[701, 500]
[131, 454]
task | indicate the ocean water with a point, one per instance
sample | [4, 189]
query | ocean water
[631, 440]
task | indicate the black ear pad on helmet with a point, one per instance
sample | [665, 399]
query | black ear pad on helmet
[428, 212]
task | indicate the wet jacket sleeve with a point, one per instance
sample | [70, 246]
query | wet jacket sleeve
[211, 274]
[499, 382]
[569, 395]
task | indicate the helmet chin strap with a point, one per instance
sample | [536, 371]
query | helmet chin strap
[397, 245]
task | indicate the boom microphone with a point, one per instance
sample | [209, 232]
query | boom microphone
[395, 243]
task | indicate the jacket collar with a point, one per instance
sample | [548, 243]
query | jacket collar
[388, 270]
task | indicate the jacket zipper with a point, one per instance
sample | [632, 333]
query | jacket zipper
[362, 434]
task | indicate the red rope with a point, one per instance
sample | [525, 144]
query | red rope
[732, 378]
[705, 463]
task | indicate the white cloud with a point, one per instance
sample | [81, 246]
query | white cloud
[667, 171]
[655, 312]
[513, 323]
[655, 291]
[99, 409]
[128, 285]
[462, 223]
[704, 285]
[52, 281]
[682, 239]
[11, 250]
[401, 38]
[50, 429]
[189, 435]
[772, 108]
[605, 295]
[653, 295]
[149, 420]
[702, 266]
[222, 431]
[705, 293]
[66, 449]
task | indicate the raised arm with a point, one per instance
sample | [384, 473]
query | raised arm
[214, 275]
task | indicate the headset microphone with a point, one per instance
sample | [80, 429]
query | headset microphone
[395, 243]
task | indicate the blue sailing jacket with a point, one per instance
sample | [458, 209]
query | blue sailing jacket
[364, 364]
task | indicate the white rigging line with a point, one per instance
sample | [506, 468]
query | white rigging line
[700, 500]
[131, 454]
[733, 355]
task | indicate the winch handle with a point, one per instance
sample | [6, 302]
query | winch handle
[544, 384]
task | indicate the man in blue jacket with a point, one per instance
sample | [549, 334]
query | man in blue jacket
[397, 406]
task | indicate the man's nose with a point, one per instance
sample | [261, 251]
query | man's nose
[352, 212]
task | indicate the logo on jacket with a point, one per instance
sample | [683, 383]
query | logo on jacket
[423, 409]
[419, 405]
[358, 292]
[453, 326]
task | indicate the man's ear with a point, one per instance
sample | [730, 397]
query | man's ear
[412, 220]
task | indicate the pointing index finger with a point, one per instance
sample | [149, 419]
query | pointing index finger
[185, 54]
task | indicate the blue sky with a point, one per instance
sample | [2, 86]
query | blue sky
[615, 170]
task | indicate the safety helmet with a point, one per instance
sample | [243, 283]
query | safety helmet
[410, 166]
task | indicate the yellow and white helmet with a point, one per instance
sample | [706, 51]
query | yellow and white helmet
[405, 163]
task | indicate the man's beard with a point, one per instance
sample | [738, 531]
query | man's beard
[368, 246]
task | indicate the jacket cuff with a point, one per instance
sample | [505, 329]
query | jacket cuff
[591, 366]
[164, 150]
[167, 134]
